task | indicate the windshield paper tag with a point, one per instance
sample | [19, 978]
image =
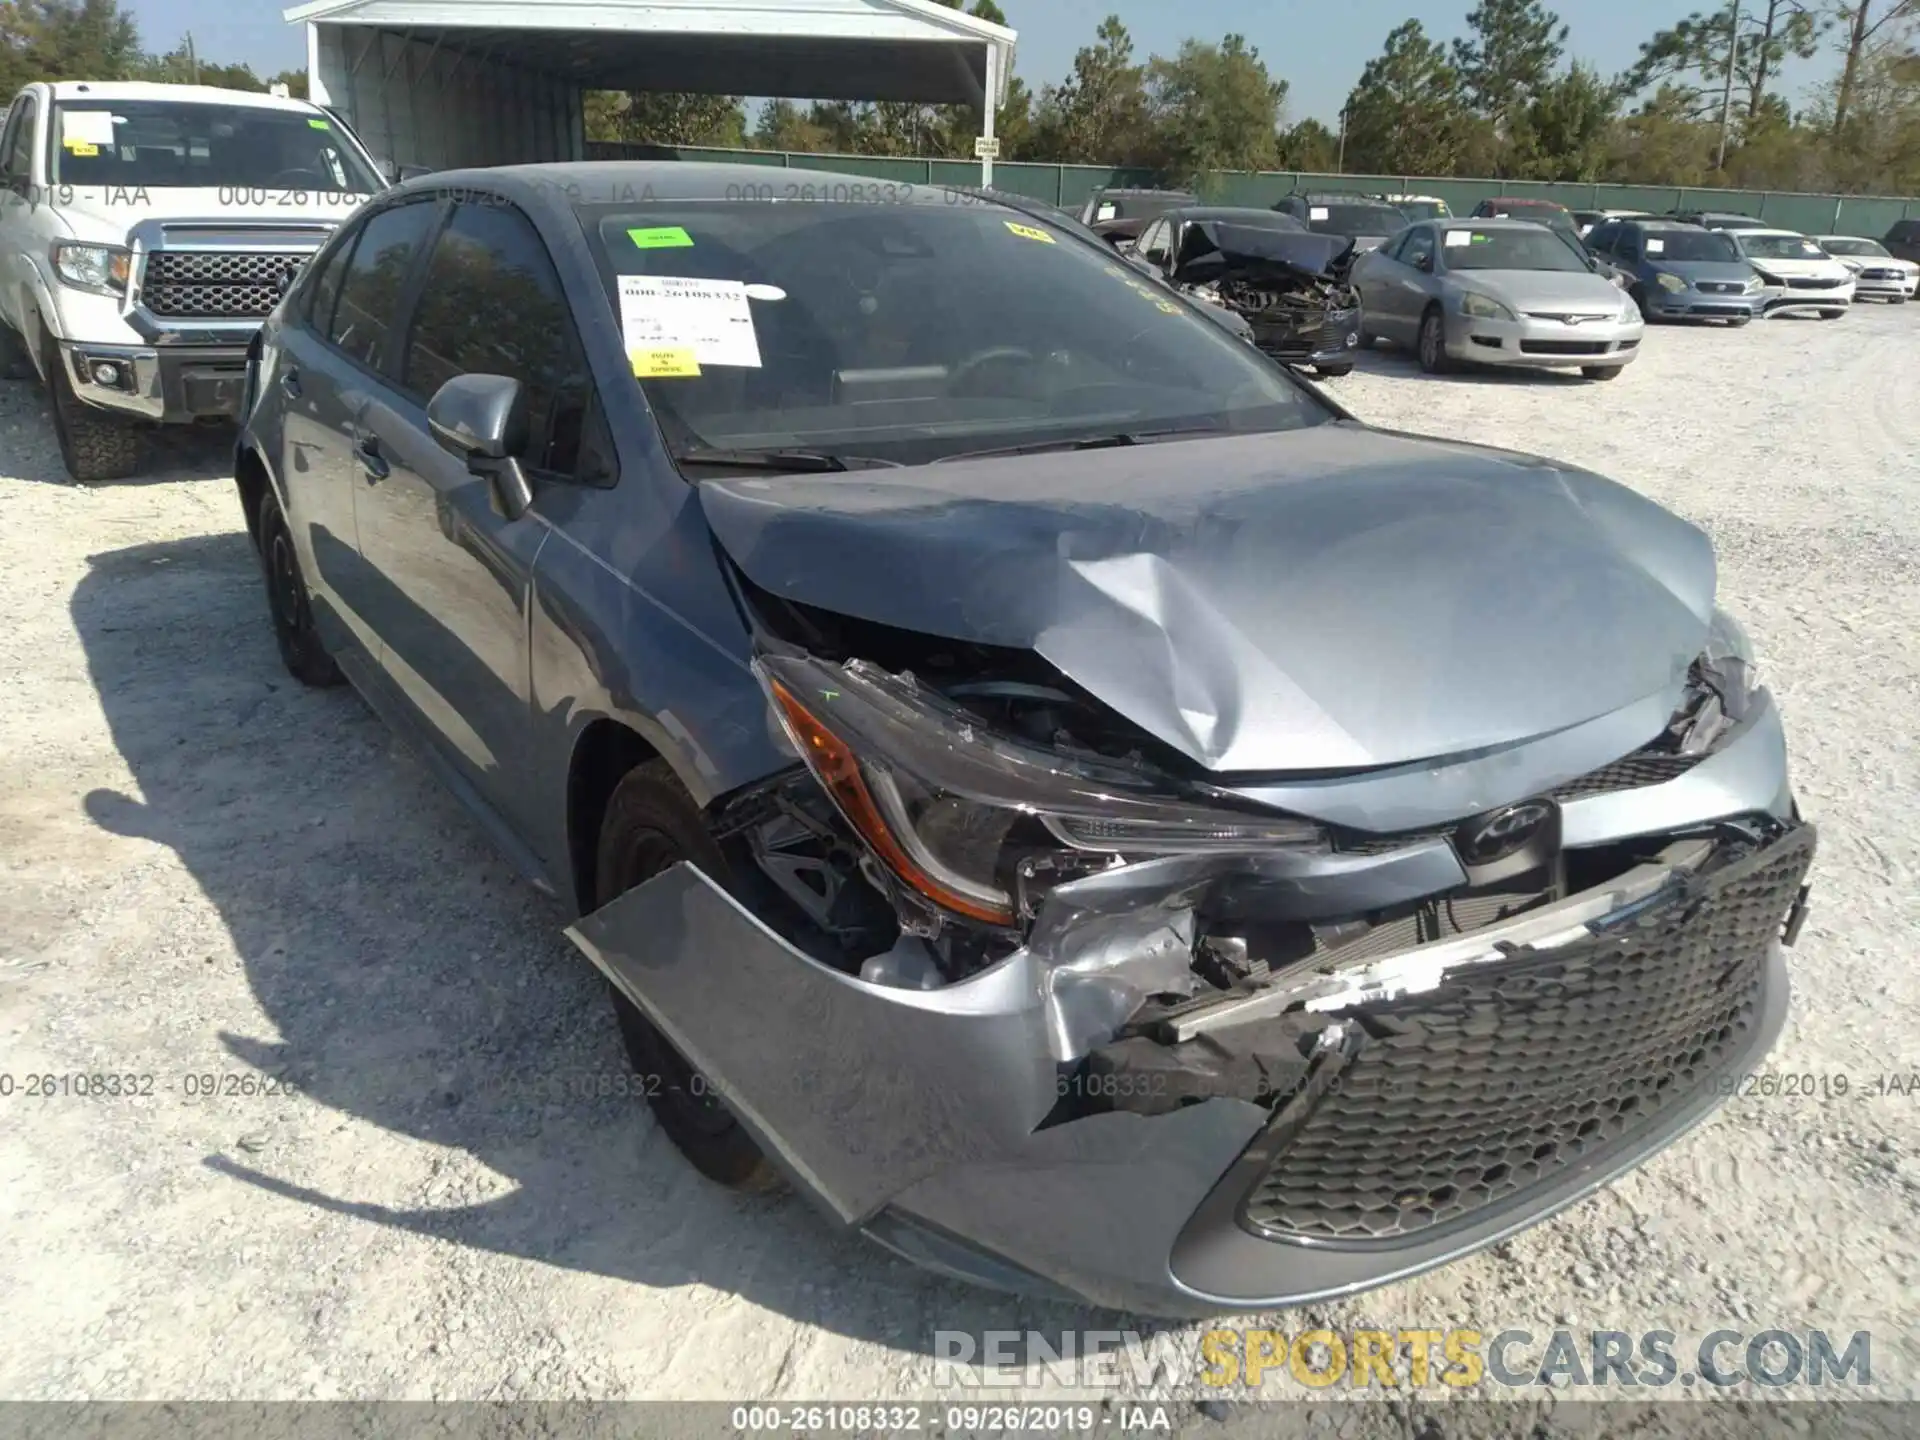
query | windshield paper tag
[711, 319]
[86, 127]
[1028, 232]
[1459, 237]
[81, 147]
[1654, 247]
[660, 237]
[653, 364]
[1317, 212]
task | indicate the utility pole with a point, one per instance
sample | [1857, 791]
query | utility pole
[1340, 164]
[193, 63]
[1726, 95]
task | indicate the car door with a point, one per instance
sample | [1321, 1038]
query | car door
[329, 370]
[1398, 294]
[453, 570]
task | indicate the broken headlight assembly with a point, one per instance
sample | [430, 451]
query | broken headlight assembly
[1722, 685]
[962, 817]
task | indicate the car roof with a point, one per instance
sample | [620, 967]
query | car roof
[1873, 239]
[68, 90]
[1481, 222]
[1521, 200]
[1140, 190]
[1790, 234]
[1336, 197]
[627, 182]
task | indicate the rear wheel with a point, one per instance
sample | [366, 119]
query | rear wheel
[650, 826]
[94, 444]
[288, 603]
[1433, 343]
[1602, 372]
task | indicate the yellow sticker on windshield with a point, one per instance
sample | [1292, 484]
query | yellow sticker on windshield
[1029, 232]
[659, 363]
[82, 147]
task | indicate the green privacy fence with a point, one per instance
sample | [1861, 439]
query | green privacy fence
[1069, 185]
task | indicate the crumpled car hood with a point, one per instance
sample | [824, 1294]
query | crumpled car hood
[1331, 598]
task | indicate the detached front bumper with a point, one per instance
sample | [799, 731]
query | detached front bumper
[170, 384]
[1530, 342]
[1431, 1100]
[1800, 300]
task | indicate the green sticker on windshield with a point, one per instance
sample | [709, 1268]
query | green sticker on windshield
[660, 237]
[319, 125]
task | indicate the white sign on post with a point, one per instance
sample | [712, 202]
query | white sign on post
[986, 147]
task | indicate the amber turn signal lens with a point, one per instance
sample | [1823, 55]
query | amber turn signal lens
[833, 764]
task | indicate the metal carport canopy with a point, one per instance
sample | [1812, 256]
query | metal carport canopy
[913, 50]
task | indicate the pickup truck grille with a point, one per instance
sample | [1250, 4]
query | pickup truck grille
[216, 284]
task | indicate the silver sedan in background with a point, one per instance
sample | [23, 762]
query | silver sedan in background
[1495, 292]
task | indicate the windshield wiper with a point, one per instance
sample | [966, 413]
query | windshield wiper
[1088, 442]
[797, 462]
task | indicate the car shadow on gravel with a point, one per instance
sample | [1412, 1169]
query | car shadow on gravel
[410, 980]
[1404, 365]
[174, 452]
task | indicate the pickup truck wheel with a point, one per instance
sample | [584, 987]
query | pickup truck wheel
[93, 444]
[301, 652]
[651, 825]
[16, 362]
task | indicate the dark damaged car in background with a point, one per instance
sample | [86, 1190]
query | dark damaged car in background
[1038, 777]
[1290, 286]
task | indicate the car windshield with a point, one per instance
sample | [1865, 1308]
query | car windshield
[1838, 246]
[1355, 219]
[171, 144]
[1689, 244]
[1507, 248]
[912, 333]
[1781, 247]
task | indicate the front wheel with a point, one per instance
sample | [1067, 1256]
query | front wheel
[1896, 299]
[1602, 372]
[1639, 297]
[1433, 343]
[1736, 321]
[94, 445]
[651, 825]
[1831, 314]
[1332, 372]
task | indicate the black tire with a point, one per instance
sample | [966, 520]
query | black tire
[1332, 372]
[1896, 299]
[94, 445]
[1638, 294]
[288, 603]
[650, 825]
[16, 361]
[1431, 344]
[1602, 372]
[1831, 314]
[1736, 321]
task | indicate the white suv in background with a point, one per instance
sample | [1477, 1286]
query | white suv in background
[1876, 274]
[145, 231]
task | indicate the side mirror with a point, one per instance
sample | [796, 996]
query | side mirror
[1423, 262]
[483, 420]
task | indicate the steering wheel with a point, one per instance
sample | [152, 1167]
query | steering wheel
[312, 179]
[960, 381]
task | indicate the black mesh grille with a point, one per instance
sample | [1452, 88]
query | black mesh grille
[1719, 287]
[216, 284]
[1803, 284]
[1563, 347]
[1510, 1073]
[1645, 767]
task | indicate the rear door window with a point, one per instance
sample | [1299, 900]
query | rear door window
[374, 280]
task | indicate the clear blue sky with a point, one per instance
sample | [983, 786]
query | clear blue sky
[1318, 46]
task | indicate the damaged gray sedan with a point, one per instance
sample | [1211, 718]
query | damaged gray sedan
[1090, 814]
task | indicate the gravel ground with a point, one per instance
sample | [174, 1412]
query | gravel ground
[212, 877]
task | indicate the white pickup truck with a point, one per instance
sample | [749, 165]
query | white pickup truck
[145, 231]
